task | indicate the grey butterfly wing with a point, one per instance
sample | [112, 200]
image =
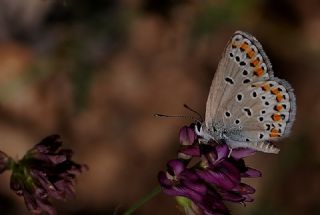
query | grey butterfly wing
[246, 101]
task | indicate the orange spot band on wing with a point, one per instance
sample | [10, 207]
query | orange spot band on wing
[278, 107]
[251, 53]
[258, 72]
[276, 117]
[275, 133]
[279, 97]
[255, 62]
[275, 91]
[265, 87]
[244, 46]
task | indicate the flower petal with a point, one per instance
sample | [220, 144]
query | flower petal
[175, 167]
[183, 191]
[243, 189]
[16, 183]
[199, 187]
[49, 144]
[187, 135]
[189, 176]
[231, 196]
[213, 205]
[65, 189]
[251, 173]
[193, 151]
[248, 198]
[4, 161]
[239, 153]
[163, 180]
[46, 207]
[216, 154]
[222, 151]
[225, 175]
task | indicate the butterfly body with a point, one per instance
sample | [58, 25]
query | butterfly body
[247, 106]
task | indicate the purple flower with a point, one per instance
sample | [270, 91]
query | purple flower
[45, 172]
[188, 141]
[215, 175]
[187, 135]
[180, 181]
[5, 162]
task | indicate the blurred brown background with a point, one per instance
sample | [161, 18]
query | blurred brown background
[96, 71]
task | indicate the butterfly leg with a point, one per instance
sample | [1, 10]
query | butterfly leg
[230, 151]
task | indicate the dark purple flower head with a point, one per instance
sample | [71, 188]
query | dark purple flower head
[5, 162]
[215, 175]
[45, 172]
[179, 181]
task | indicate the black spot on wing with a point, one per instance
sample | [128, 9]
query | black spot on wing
[245, 72]
[242, 63]
[245, 81]
[229, 80]
[261, 136]
[247, 111]
[239, 97]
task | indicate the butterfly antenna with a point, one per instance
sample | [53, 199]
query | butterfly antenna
[194, 111]
[173, 116]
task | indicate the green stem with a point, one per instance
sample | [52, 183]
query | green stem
[143, 200]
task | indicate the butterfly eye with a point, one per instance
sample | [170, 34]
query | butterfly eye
[197, 126]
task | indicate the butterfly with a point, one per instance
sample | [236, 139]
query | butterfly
[247, 106]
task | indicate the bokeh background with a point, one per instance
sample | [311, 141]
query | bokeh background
[96, 72]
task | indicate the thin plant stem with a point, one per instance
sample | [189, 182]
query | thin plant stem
[143, 200]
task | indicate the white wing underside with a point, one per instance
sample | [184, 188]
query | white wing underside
[247, 106]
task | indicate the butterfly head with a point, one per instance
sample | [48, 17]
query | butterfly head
[205, 134]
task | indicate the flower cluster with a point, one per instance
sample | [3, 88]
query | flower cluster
[45, 172]
[206, 175]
